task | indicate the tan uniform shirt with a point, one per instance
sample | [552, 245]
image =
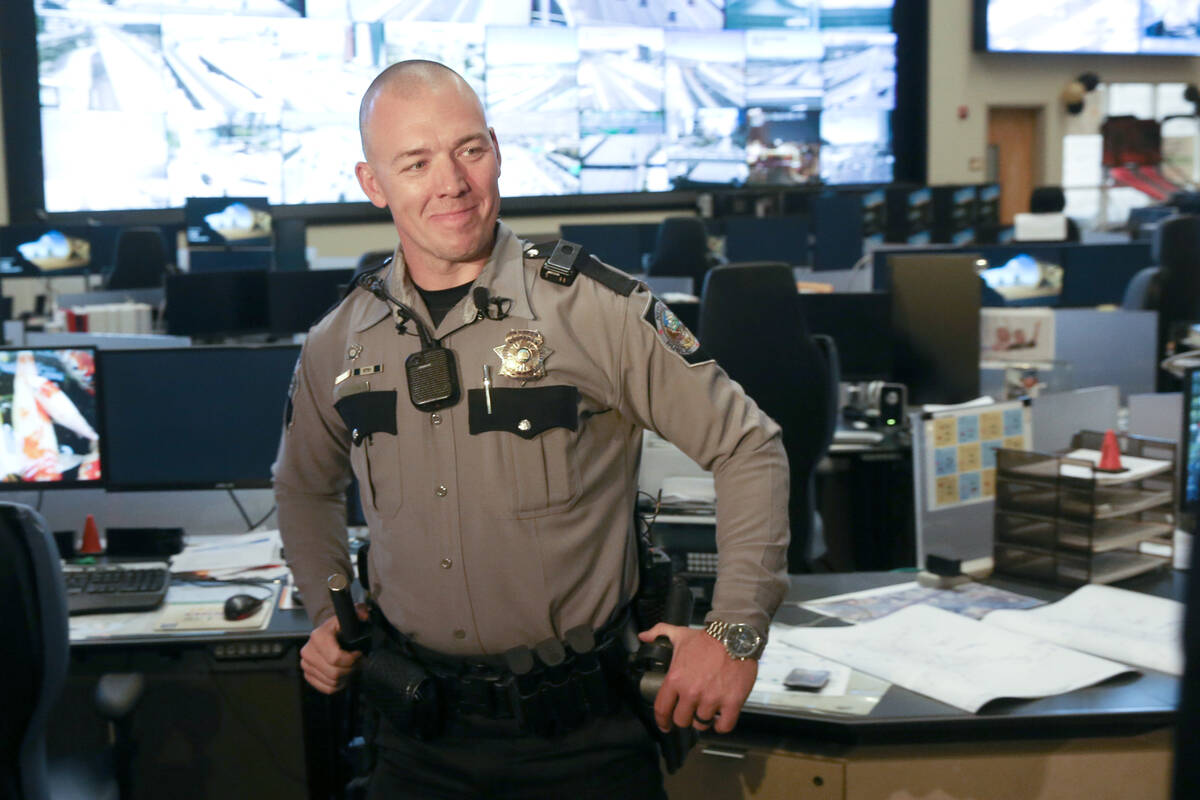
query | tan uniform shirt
[521, 530]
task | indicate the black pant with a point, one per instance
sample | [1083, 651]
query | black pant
[610, 757]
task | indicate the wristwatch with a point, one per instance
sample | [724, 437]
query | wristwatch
[741, 641]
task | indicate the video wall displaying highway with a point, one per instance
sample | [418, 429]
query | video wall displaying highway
[147, 102]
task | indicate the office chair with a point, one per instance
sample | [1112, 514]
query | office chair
[681, 249]
[1052, 200]
[140, 261]
[34, 630]
[751, 323]
[1176, 250]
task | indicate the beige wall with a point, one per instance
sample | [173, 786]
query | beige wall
[958, 76]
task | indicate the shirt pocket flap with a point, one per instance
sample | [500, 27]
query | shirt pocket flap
[368, 412]
[525, 412]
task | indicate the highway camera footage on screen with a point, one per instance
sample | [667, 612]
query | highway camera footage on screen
[147, 102]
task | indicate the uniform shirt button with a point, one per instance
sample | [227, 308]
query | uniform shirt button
[447, 563]
[460, 634]
[436, 419]
[441, 490]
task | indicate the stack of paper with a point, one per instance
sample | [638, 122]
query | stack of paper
[256, 554]
[688, 495]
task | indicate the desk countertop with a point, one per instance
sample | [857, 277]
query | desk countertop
[1122, 705]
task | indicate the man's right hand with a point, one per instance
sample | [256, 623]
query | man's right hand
[327, 667]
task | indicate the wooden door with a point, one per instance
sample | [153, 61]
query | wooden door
[1012, 142]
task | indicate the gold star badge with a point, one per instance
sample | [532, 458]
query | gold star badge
[523, 355]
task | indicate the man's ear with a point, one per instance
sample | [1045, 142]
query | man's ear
[370, 186]
[495, 146]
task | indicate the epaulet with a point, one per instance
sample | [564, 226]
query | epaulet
[564, 260]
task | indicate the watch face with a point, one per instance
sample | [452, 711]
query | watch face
[742, 640]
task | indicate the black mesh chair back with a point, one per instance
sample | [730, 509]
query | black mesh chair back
[140, 261]
[751, 323]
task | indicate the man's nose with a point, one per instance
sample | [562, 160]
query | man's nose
[450, 177]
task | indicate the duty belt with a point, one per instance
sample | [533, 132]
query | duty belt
[549, 689]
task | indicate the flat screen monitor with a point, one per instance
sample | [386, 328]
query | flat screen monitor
[860, 323]
[50, 430]
[1097, 274]
[935, 326]
[228, 221]
[213, 304]
[1190, 501]
[57, 249]
[297, 299]
[623, 246]
[195, 417]
[767, 239]
[1124, 27]
[1023, 275]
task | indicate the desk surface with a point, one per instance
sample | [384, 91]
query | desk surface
[1121, 705]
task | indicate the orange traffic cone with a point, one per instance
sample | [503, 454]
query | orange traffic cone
[91, 538]
[1110, 453]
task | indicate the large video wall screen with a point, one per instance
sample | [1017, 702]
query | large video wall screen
[147, 102]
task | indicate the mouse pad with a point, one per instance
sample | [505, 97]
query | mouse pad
[205, 615]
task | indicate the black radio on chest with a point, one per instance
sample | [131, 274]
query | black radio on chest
[432, 378]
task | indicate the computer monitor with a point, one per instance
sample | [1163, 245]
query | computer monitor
[837, 222]
[228, 221]
[194, 417]
[860, 323]
[622, 246]
[935, 326]
[296, 300]
[1190, 442]
[50, 430]
[1097, 274]
[1023, 274]
[782, 238]
[213, 304]
[57, 249]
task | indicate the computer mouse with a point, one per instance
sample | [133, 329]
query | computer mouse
[242, 606]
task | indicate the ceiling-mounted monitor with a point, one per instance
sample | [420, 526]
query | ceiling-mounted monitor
[1121, 27]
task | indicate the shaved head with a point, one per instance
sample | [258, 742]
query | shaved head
[407, 79]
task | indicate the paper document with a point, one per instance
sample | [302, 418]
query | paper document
[1114, 623]
[688, 495]
[970, 599]
[1134, 468]
[226, 553]
[954, 659]
[847, 692]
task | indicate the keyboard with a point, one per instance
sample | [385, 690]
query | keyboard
[109, 588]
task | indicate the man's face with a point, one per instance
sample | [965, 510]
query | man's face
[433, 161]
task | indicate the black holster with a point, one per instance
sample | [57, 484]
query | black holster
[400, 689]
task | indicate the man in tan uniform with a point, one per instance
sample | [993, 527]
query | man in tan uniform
[504, 518]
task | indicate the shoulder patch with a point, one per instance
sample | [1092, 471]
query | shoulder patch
[673, 334]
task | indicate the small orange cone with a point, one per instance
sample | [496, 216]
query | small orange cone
[91, 538]
[1110, 453]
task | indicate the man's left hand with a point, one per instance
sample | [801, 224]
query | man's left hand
[705, 686]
